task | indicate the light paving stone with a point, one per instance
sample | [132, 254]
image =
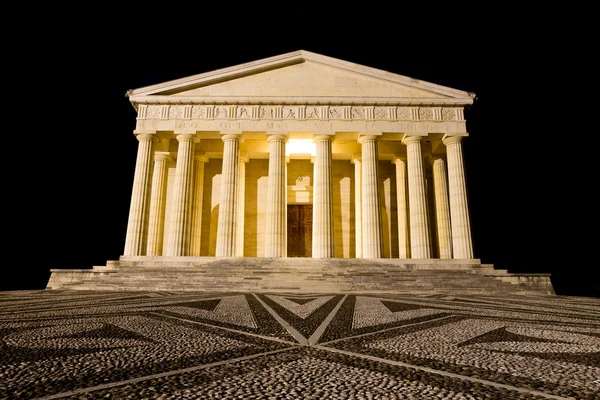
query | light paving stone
[87, 345]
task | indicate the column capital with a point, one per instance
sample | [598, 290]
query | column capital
[398, 159]
[201, 157]
[187, 136]
[437, 160]
[244, 159]
[147, 136]
[232, 136]
[451, 139]
[411, 139]
[355, 159]
[368, 138]
[163, 156]
[319, 138]
[277, 137]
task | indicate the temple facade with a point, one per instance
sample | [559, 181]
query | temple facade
[300, 155]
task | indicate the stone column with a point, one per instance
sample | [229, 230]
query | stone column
[158, 198]
[372, 230]
[227, 225]
[462, 245]
[358, 204]
[239, 237]
[442, 211]
[180, 224]
[287, 161]
[420, 246]
[196, 240]
[322, 240]
[402, 207]
[276, 238]
[137, 225]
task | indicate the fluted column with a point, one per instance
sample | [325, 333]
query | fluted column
[420, 246]
[137, 225]
[276, 238]
[442, 210]
[196, 239]
[358, 204]
[462, 245]
[241, 203]
[372, 230]
[402, 207]
[180, 224]
[322, 240]
[158, 198]
[227, 225]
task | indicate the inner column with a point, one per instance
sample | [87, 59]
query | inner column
[420, 246]
[181, 215]
[322, 240]
[372, 229]
[227, 223]
[276, 238]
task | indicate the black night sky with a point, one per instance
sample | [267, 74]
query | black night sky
[73, 152]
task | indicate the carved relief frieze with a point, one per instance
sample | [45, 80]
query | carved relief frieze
[382, 113]
[315, 112]
[334, 112]
[300, 112]
[244, 112]
[176, 112]
[404, 113]
[290, 112]
[221, 112]
[154, 112]
[425, 113]
[358, 113]
[200, 112]
[448, 114]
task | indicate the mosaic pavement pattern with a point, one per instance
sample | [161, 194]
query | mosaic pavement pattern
[162, 345]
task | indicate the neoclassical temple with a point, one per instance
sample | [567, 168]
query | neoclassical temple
[300, 155]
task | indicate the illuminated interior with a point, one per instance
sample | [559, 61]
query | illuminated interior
[300, 146]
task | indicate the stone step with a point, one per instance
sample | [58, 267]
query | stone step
[299, 274]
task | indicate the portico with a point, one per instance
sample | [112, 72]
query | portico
[365, 164]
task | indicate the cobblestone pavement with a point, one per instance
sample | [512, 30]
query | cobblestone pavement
[162, 345]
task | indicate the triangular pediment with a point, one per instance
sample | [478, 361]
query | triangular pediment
[299, 77]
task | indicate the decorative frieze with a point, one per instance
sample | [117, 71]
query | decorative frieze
[176, 112]
[426, 113]
[449, 114]
[315, 112]
[300, 112]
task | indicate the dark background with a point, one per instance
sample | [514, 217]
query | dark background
[71, 150]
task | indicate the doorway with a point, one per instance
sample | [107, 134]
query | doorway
[299, 232]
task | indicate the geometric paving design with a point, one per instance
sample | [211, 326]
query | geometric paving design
[169, 345]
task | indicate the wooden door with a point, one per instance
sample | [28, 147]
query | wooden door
[299, 221]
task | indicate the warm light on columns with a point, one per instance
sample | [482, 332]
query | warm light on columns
[462, 246]
[139, 213]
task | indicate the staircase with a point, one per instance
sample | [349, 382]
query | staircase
[309, 275]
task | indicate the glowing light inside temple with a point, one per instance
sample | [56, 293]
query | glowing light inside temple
[300, 146]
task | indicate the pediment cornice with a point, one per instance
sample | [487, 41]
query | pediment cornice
[193, 89]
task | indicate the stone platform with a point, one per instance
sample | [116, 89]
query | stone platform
[342, 275]
[65, 344]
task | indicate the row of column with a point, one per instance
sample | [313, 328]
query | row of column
[147, 210]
